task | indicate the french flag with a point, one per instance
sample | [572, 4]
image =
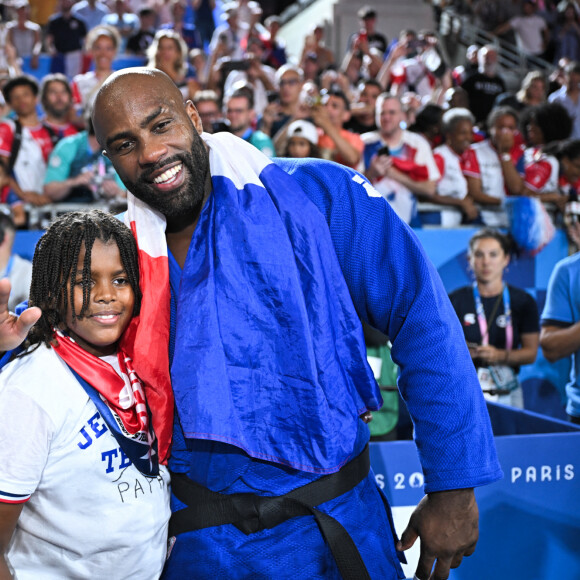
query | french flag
[146, 340]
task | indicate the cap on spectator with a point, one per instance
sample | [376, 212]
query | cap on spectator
[366, 12]
[20, 4]
[303, 129]
[229, 9]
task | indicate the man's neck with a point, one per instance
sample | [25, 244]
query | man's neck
[179, 231]
[30, 120]
[394, 139]
[58, 121]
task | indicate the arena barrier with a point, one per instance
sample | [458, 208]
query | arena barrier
[529, 521]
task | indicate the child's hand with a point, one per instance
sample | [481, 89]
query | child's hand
[13, 329]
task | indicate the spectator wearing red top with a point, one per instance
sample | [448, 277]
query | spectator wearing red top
[25, 143]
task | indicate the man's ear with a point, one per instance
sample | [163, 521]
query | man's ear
[194, 116]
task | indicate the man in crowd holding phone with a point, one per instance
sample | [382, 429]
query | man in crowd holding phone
[405, 168]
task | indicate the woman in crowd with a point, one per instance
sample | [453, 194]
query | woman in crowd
[168, 53]
[500, 321]
[102, 44]
[544, 128]
[457, 128]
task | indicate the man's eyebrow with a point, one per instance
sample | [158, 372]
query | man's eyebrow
[142, 125]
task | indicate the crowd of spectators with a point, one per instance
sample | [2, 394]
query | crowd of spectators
[444, 146]
[391, 108]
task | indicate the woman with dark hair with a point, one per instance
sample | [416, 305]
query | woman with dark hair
[545, 128]
[500, 322]
[428, 122]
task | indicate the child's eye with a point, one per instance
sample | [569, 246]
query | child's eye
[121, 281]
[83, 283]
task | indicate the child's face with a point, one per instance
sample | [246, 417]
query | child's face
[111, 302]
[298, 147]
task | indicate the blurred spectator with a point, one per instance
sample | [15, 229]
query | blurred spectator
[142, 40]
[25, 143]
[560, 327]
[533, 92]
[557, 78]
[336, 143]
[302, 140]
[485, 85]
[428, 124]
[91, 12]
[278, 113]
[203, 19]
[239, 109]
[469, 67]
[546, 126]
[403, 48]
[102, 45]
[246, 11]
[500, 322]
[11, 196]
[399, 163]
[168, 53]
[78, 172]
[57, 102]
[495, 167]
[455, 97]
[228, 36]
[569, 95]
[531, 30]
[9, 64]
[367, 33]
[452, 187]
[423, 72]
[451, 190]
[187, 30]
[207, 104]
[12, 266]
[314, 42]
[126, 22]
[65, 35]
[25, 35]
[261, 77]
[275, 55]
[362, 112]
[567, 32]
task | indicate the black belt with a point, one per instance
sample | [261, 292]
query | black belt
[252, 513]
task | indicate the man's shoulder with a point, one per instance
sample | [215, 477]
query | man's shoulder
[371, 137]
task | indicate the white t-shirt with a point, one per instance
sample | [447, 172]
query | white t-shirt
[451, 184]
[528, 31]
[91, 513]
[484, 163]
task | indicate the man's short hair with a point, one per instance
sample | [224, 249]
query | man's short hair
[334, 91]
[242, 93]
[206, 95]
[498, 112]
[366, 12]
[19, 81]
[289, 67]
[370, 83]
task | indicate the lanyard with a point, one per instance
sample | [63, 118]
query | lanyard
[482, 321]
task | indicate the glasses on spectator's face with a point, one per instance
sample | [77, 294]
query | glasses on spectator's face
[290, 82]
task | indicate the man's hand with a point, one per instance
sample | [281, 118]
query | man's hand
[13, 329]
[447, 523]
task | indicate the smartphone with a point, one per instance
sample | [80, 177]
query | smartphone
[384, 150]
[273, 96]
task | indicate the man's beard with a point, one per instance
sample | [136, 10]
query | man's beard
[188, 198]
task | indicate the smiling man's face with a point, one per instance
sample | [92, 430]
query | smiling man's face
[153, 141]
